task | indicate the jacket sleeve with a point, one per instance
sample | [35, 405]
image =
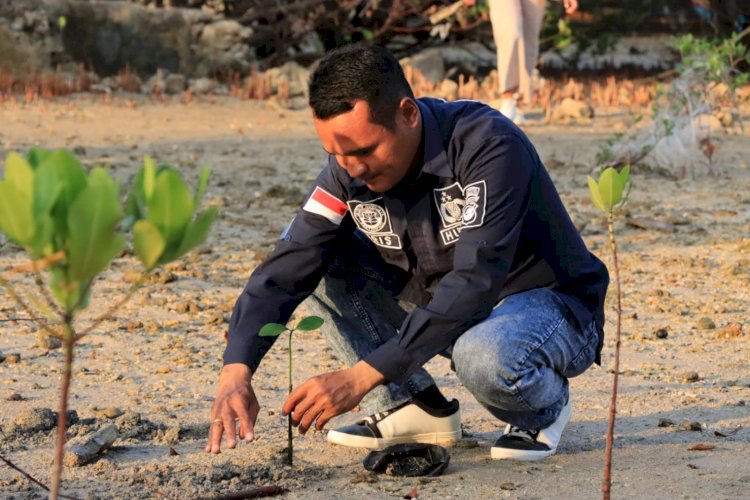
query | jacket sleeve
[290, 273]
[496, 177]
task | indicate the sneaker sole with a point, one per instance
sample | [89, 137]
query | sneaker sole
[525, 456]
[439, 438]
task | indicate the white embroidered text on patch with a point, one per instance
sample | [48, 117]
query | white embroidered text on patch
[323, 203]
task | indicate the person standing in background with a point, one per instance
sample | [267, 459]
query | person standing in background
[516, 25]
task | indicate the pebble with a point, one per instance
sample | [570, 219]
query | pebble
[661, 333]
[12, 358]
[665, 422]
[109, 412]
[706, 323]
[690, 377]
[687, 425]
[48, 342]
[732, 330]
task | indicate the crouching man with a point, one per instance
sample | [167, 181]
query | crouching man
[433, 229]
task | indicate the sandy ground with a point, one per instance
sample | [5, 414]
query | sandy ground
[152, 369]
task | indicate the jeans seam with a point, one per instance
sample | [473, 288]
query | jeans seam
[362, 313]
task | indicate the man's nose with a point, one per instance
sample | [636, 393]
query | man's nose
[352, 165]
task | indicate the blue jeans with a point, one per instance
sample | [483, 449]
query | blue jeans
[516, 362]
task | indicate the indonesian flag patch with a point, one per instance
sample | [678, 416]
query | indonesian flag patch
[323, 203]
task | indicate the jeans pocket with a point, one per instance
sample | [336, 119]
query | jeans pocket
[587, 355]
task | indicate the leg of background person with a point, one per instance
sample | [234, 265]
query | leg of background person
[507, 31]
[356, 300]
[533, 18]
[517, 362]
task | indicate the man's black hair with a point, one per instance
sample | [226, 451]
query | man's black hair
[359, 72]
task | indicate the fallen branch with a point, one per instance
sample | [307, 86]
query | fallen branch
[260, 491]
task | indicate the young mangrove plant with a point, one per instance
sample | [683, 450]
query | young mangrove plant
[609, 194]
[274, 330]
[72, 224]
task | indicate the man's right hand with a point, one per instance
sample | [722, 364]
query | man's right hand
[235, 400]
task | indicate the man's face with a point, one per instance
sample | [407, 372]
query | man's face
[378, 156]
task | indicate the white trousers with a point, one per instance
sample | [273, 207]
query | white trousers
[516, 25]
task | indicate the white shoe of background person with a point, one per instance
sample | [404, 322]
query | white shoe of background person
[410, 422]
[509, 108]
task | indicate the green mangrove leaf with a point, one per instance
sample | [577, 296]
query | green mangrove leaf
[47, 187]
[92, 220]
[195, 232]
[15, 214]
[272, 330]
[148, 243]
[624, 177]
[609, 188]
[40, 244]
[149, 177]
[72, 181]
[19, 173]
[595, 196]
[202, 183]
[170, 207]
[309, 323]
[37, 156]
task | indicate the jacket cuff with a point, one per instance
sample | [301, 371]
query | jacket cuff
[249, 351]
[392, 361]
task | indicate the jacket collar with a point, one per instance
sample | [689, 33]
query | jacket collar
[434, 157]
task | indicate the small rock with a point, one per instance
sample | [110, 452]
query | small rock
[109, 412]
[690, 377]
[132, 326]
[2, 357]
[15, 397]
[508, 486]
[665, 422]
[687, 425]
[47, 342]
[731, 331]
[83, 449]
[12, 358]
[661, 333]
[706, 323]
[131, 276]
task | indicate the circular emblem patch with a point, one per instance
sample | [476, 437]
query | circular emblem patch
[370, 217]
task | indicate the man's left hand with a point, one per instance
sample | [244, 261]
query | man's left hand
[322, 397]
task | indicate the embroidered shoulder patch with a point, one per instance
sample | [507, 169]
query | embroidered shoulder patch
[323, 203]
[460, 208]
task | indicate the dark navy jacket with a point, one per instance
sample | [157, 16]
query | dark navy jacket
[481, 221]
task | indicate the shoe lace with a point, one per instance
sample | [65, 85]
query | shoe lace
[523, 434]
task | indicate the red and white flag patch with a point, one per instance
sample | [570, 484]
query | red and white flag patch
[323, 203]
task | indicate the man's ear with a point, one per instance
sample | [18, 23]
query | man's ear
[408, 111]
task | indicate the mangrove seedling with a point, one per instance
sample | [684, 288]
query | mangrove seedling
[274, 330]
[608, 195]
[72, 224]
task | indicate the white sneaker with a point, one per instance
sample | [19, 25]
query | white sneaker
[523, 444]
[410, 422]
[509, 108]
